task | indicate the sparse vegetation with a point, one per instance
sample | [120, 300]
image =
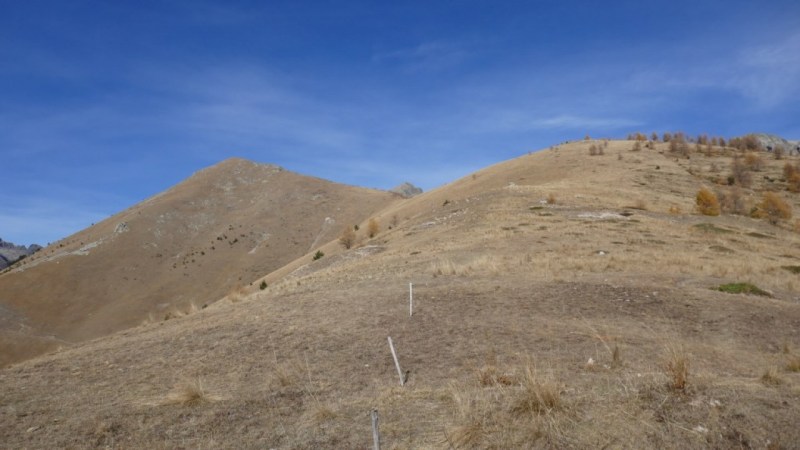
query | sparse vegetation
[792, 269]
[263, 285]
[743, 288]
[319, 254]
[551, 199]
[711, 228]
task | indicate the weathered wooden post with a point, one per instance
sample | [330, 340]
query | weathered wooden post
[396, 362]
[376, 435]
[410, 299]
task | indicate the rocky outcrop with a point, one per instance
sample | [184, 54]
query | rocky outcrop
[406, 190]
[771, 142]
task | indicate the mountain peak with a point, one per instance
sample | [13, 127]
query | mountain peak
[406, 190]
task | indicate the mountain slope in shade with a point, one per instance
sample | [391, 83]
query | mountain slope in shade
[185, 248]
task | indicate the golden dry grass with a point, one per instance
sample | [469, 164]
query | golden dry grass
[189, 392]
[676, 367]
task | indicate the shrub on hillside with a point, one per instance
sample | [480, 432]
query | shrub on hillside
[753, 161]
[347, 238]
[318, 255]
[746, 143]
[679, 145]
[732, 201]
[372, 227]
[775, 208]
[707, 203]
[792, 175]
[740, 175]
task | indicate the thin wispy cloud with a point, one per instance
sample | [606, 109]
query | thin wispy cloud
[427, 56]
[571, 122]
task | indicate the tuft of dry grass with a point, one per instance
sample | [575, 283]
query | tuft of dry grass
[616, 357]
[506, 416]
[539, 395]
[551, 199]
[771, 376]
[793, 363]
[473, 413]
[189, 392]
[285, 374]
[676, 368]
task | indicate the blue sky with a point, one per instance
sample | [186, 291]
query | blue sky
[105, 103]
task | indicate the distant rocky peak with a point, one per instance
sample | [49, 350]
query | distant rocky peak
[406, 190]
[9, 252]
[771, 142]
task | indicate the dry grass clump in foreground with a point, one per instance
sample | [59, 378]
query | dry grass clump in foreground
[507, 411]
[676, 367]
[539, 395]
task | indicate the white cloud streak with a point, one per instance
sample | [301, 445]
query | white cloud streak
[430, 56]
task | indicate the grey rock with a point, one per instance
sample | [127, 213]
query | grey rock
[772, 142]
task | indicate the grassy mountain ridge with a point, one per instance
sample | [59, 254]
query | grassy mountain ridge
[184, 248]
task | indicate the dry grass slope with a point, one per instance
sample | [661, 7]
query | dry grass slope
[581, 323]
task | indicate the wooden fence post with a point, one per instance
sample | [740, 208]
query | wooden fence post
[410, 299]
[376, 435]
[396, 362]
